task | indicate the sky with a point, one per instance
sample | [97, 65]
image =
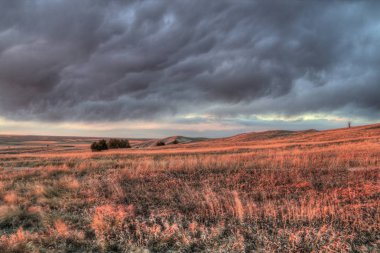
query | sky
[195, 68]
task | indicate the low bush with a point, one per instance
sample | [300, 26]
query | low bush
[160, 143]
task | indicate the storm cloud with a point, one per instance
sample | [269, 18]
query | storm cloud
[94, 60]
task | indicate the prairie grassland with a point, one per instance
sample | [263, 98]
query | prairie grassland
[304, 192]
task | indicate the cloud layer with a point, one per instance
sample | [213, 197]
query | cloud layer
[95, 60]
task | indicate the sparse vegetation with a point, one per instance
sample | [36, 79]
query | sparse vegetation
[160, 143]
[304, 192]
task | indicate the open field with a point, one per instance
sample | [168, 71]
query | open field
[276, 191]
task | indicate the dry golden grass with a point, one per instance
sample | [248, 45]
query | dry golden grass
[272, 192]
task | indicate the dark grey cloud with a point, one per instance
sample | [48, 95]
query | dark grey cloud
[95, 60]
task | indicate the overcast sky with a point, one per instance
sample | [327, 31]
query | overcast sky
[198, 68]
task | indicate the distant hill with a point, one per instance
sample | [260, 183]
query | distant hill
[15, 144]
[278, 136]
[172, 140]
[256, 136]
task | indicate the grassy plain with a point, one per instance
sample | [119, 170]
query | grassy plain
[275, 191]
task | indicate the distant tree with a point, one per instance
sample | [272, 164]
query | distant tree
[99, 145]
[118, 143]
[95, 146]
[103, 144]
[125, 144]
[349, 124]
[113, 143]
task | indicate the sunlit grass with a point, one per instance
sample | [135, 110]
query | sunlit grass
[290, 194]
